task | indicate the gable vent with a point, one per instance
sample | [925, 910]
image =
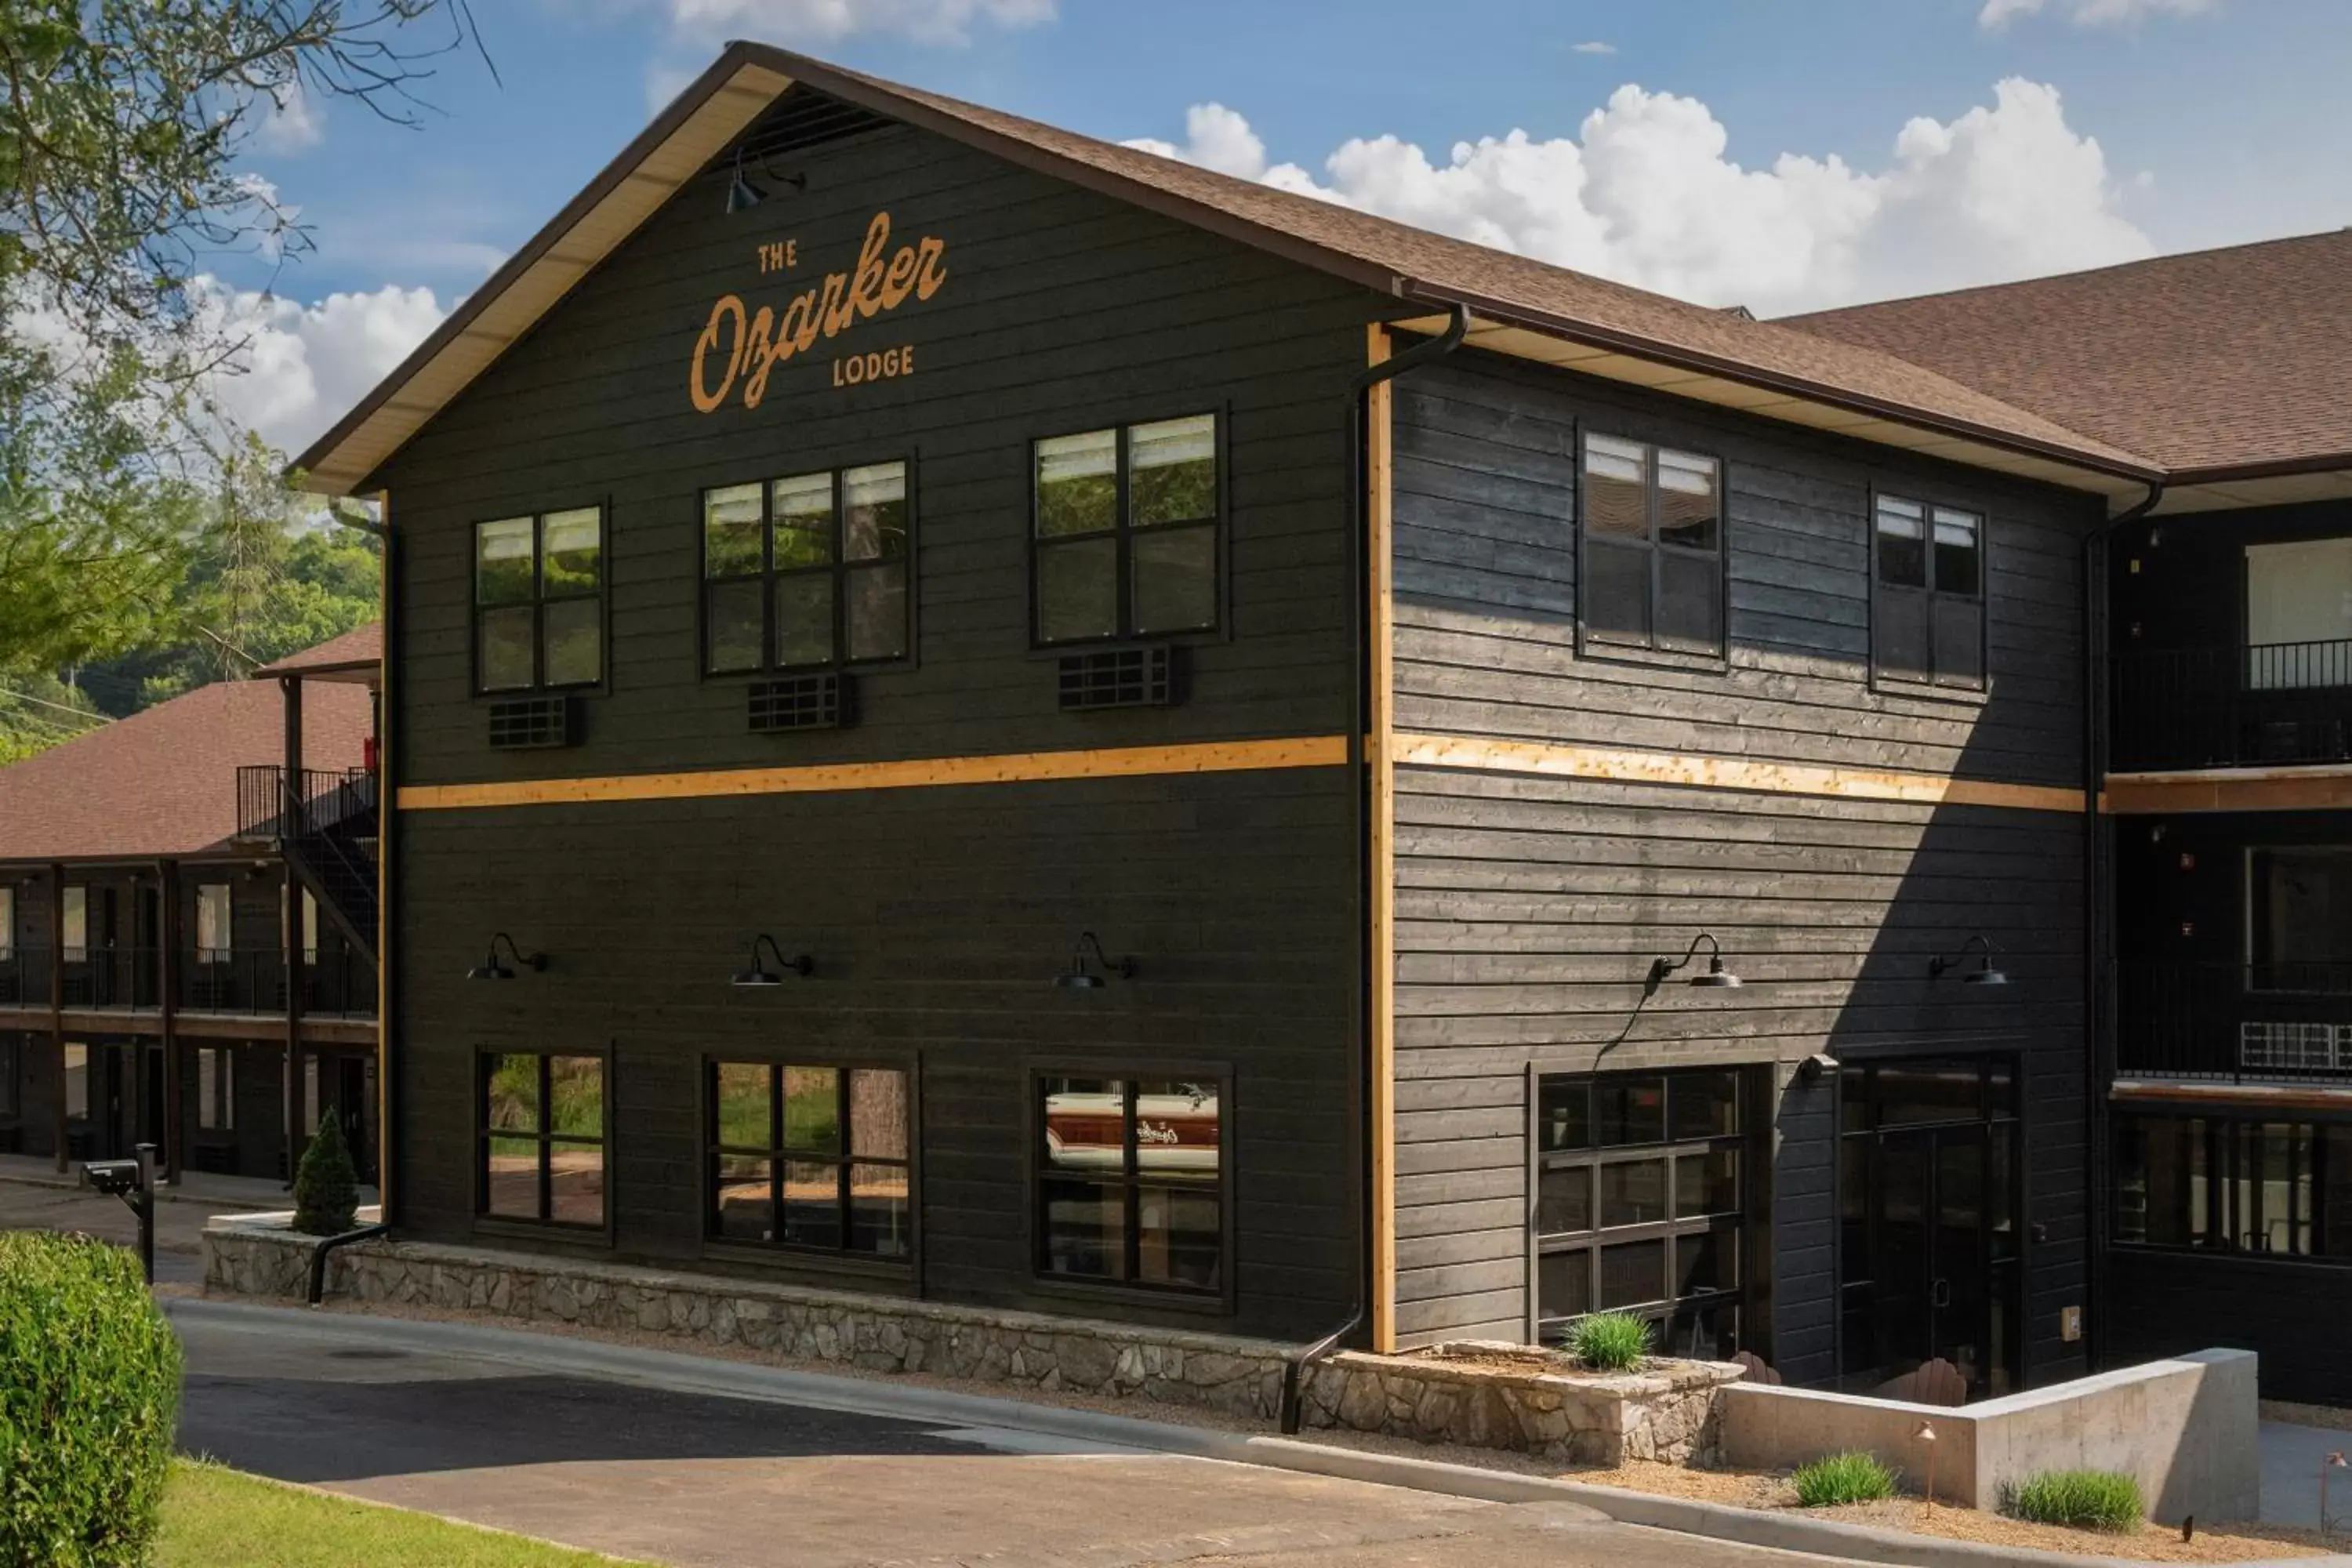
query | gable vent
[530, 723]
[1118, 677]
[802, 702]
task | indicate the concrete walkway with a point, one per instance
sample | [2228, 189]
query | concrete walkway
[2292, 1457]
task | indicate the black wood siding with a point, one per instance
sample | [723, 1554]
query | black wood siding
[935, 916]
[1528, 908]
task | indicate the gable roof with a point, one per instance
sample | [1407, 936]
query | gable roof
[2218, 363]
[162, 783]
[356, 656]
[1609, 328]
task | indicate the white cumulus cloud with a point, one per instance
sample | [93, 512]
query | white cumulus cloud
[805, 21]
[2090, 13]
[1595, 47]
[290, 124]
[1645, 193]
[299, 367]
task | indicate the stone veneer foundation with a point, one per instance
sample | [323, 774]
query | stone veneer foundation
[1666, 1412]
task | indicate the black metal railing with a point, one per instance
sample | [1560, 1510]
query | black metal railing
[2233, 1023]
[2269, 704]
[342, 802]
[339, 984]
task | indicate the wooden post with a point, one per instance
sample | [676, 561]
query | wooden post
[1381, 752]
[386, 1104]
[167, 975]
[288, 828]
[58, 996]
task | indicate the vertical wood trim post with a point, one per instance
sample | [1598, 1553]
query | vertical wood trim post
[167, 977]
[1379, 752]
[58, 997]
[289, 826]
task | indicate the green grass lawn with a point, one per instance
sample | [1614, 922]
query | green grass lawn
[219, 1518]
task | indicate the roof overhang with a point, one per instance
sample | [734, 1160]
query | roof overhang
[670, 151]
[2276, 484]
[1565, 345]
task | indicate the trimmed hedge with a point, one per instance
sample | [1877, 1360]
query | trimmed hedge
[90, 1397]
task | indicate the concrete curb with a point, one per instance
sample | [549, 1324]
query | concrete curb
[737, 1379]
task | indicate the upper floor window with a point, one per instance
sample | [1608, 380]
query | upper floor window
[77, 924]
[538, 601]
[806, 571]
[2299, 615]
[213, 935]
[7, 923]
[1927, 609]
[1652, 557]
[1127, 524]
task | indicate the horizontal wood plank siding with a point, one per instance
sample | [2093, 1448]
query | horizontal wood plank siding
[1530, 903]
[936, 917]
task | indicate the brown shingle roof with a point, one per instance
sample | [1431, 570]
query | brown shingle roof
[1390, 257]
[2238, 358]
[356, 652]
[162, 781]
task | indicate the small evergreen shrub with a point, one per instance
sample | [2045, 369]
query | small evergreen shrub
[1610, 1342]
[1850, 1477]
[326, 1187]
[89, 1396]
[2085, 1500]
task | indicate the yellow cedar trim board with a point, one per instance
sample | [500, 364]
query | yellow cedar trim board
[1721, 772]
[919, 773]
[1379, 754]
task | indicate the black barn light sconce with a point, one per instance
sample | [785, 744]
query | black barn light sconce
[760, 975]
[743, 194]
[491, 969]
[1085, 975]
[1714, 974]
[1984, 974]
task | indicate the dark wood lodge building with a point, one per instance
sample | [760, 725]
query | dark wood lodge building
[177, 925]
[977, 713]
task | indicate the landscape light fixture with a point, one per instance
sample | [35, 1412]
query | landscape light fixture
[760, 975]
[1714, 974]
[1083, 975]
[1984, 974]
[491, 969]
[742, 194]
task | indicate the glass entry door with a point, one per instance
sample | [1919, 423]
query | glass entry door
[1928, 1263]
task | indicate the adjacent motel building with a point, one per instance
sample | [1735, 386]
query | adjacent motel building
[975, 714]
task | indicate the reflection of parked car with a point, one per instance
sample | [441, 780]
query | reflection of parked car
[1174, 1133]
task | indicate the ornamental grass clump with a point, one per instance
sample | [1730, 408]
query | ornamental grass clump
[1850, 1477]
[1610, 1342]
[2084, 1499]
[90, 1395]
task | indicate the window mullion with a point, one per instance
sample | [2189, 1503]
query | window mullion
[1122, 523]
[1651, 502]
[767, 574]
[1131, 1194]
[546, 1151]
[848, 1152]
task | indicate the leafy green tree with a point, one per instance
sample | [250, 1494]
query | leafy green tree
[122, 123]
[39, 712]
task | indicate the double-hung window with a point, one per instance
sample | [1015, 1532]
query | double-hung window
[538, 601]
[1127, 524]
[7, 923]
[1652, 531]
[1131, 1181]
[77, 925]
[813, 1157]
[543, 1124]
[806, 572]
[216, 1089]
[1927, 609]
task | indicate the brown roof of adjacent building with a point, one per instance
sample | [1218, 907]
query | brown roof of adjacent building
[359, 652]
[2214, 363]
[162, 783]
[1392, 257]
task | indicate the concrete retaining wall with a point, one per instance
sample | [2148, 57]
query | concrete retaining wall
[2187, 1429]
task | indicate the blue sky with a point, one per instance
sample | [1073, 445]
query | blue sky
[2130, 127]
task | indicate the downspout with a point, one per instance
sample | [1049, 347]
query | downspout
[2097, 895]
[1457, 326]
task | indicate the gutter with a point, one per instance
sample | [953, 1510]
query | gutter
[2095, 898]
[1293, 1371]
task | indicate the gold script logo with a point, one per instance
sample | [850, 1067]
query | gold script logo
[753, 344]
